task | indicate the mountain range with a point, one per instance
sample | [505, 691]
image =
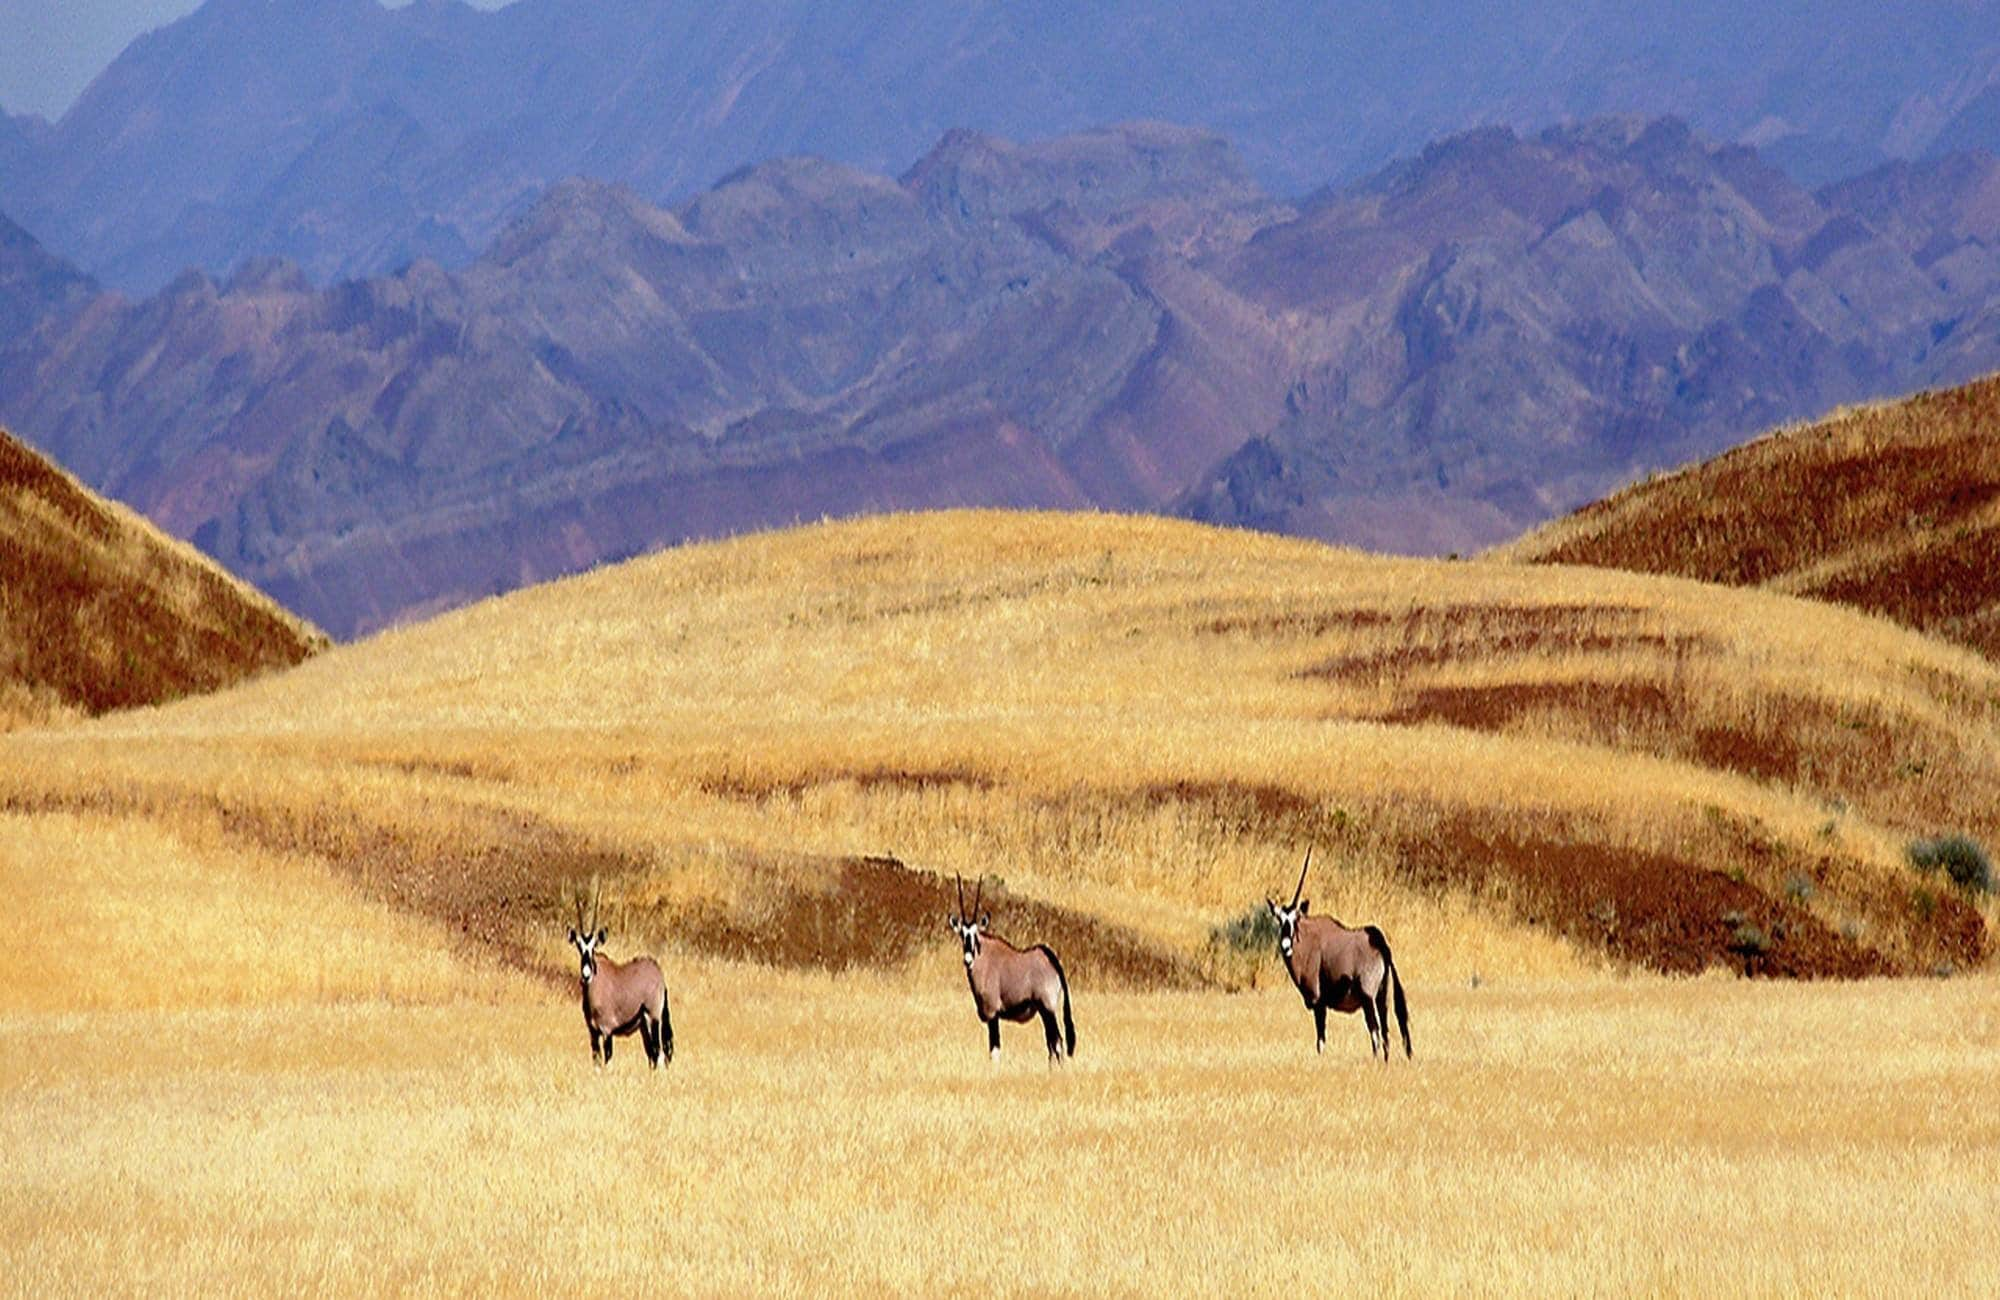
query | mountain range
[1431, 359]
[355, 139]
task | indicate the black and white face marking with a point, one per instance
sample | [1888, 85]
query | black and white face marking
[1288, 924]
[586, 948]
[968, 938]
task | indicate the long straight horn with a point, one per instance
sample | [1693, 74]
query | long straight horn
[1301, 887]
[960, 880]
[595, 896]
[978, 894]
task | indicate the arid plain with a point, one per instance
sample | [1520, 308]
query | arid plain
[288, 1006]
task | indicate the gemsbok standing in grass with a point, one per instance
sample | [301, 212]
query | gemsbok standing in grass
[1010, 983]
[1340, 969]
[619, 997]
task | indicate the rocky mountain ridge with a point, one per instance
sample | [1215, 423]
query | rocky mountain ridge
[1434, 358]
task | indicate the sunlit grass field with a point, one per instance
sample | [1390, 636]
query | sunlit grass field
[839, 1135]
[287, 1007]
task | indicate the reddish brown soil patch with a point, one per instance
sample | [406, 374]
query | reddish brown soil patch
[1939, 585]
[1303, 623]
[1908, 479]
[877, 913]
[1485, 633]
[1642, 908]
[94, 628]
[732, 786]
[1608, 705]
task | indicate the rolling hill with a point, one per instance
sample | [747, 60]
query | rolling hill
[305, 934]
[1892, 508]
[781, 748]
[99, 610]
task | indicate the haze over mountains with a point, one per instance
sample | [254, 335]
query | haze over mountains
[353, 139]
[1432, 359]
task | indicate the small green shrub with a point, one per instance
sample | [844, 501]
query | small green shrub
[1748, 940]
[1253, 931]
[1961, 858]
[1799, 887]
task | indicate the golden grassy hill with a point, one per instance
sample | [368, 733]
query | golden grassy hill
[99, 610]
[781, 747]
[1893, 508]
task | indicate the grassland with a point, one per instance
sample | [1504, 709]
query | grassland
[1137, 721]
[99, 610]
[336, 1048]
[1892, 508]
[822, 1134]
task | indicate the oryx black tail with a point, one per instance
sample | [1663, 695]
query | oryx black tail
[666, 1031]
[1069, 1025]
[1381, 942]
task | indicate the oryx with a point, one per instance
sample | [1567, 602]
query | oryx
[619, 997]
[1340, 969]
[1010, 983]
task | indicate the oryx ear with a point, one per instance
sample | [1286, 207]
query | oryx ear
[1305, 905]
[602, 934]
[985, 919]
[1271, 905]
[572, 934]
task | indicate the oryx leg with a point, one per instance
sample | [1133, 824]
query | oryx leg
[596, 1045]
[993, 1038]
[1053, 1032]
[1319, 1025]
[607, 1049]
[649, 1038]
[1382, 1013]
[1376, 1038]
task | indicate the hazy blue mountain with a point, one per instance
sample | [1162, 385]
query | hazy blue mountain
[1431, 358]
[353, 139]
[34, 286]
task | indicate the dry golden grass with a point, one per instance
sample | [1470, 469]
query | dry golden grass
[122, 916]
[288, 1007]
[821, 1135]
[100, 610]
[1892, 508]
[1130, 718]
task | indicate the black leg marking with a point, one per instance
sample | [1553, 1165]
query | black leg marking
[1319, 1024]
[993, 1035]
[1374, 1030]
[596, 1046]
[1053, 1033]
[607, 1049]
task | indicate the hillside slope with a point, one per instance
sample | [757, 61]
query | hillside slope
[1892, 508]
[782, 748]
[101, 611]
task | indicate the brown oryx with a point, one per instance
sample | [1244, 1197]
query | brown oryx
[1010, 983]
[619, 997]
[1340, 969]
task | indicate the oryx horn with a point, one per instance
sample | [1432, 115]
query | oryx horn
[1300, 888]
